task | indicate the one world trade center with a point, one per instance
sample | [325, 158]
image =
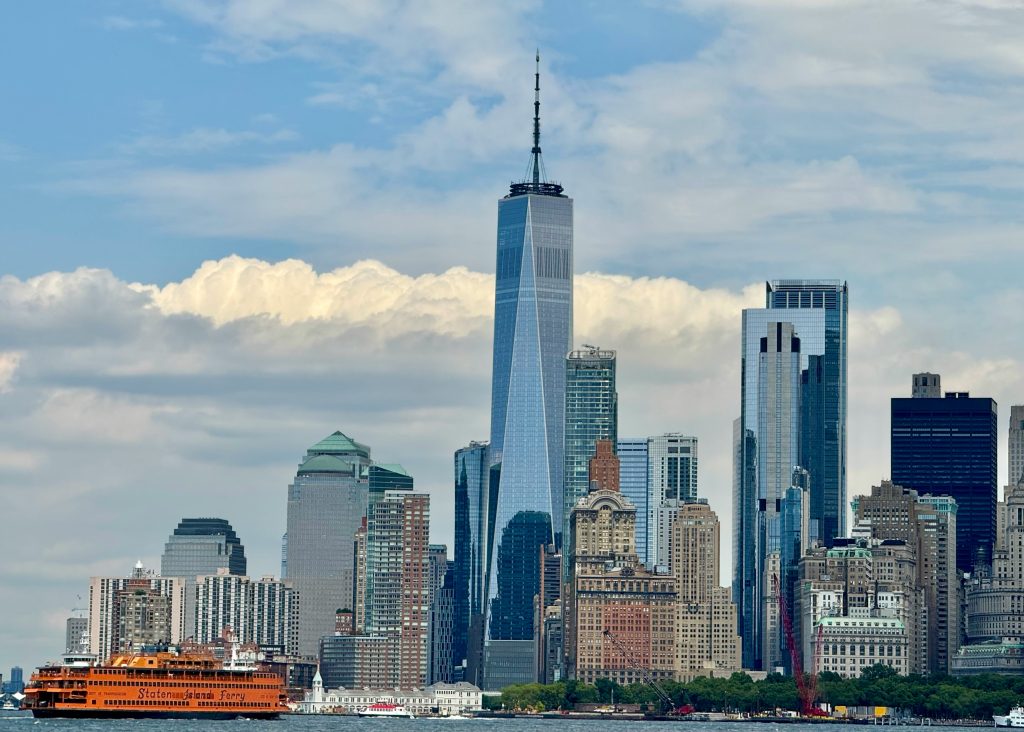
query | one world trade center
[532, 335]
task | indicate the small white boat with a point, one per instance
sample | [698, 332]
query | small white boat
[386, 709]
[1014, 719]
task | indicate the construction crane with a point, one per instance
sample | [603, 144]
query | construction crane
[645, 674]
[806, 686]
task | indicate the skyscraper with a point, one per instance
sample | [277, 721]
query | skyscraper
[672, 463]
[706, 626]
[398, 581]
[816, 311]
[143, 608]
[949, 447]
[632, 452]
[326, 505]
[201, 546]
[1015, 445]
[472, 486]
[261, 611]
[532, 334]
[591, 414]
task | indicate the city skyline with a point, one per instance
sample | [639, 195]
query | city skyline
[233, 365]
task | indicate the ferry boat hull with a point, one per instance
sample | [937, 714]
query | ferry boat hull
[138, 714]
[162, 685]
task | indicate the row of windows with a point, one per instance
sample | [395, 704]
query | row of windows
[182, 684]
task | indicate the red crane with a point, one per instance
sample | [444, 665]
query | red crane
[646, 675]
[806, 685]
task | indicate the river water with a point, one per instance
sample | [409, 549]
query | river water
[313, 723]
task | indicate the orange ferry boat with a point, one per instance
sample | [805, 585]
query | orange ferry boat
[160, 685]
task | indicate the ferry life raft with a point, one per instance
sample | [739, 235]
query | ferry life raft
[161, 685]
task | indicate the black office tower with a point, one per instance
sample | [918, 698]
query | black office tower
[948, 446]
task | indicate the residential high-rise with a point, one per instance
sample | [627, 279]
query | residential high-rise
[472, 486]
[127, 612]
[73, 630]
[326, 505]
[591, 414]
[532, 334]
[359, 579]
[398, 579]
[949, 447]
[264, 611]
[672, 464]
[816, 312]
[632, 453]
[201, 546]
[1015, 445]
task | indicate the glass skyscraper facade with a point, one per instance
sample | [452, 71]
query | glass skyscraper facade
[949, 447]
[470, 566]
[817, 312]
[632, 452]
[201, 546]
[823, 398]
[532, 335]
[198, 547]
[591, 414]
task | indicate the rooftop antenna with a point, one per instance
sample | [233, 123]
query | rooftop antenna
[534, 181]
[536, 123]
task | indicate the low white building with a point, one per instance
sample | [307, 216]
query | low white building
[444, 700]
[851, 644]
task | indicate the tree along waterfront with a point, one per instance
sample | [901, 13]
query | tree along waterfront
[934, 696]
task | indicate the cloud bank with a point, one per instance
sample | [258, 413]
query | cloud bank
[130, 405]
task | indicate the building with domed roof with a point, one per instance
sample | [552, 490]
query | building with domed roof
[327, 503]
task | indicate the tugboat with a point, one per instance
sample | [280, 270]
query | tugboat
[156, 683]
[1014, 719]
[386, 709]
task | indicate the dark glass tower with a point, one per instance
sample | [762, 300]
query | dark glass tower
[949, 447]
[532, 335]
[470, 565]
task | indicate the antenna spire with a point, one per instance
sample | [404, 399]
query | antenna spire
[534, 181]
[536, 122]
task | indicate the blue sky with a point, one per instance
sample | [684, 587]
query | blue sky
[109, 77]
[234, 226]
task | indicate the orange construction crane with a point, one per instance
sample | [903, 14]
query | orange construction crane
[806, 685]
